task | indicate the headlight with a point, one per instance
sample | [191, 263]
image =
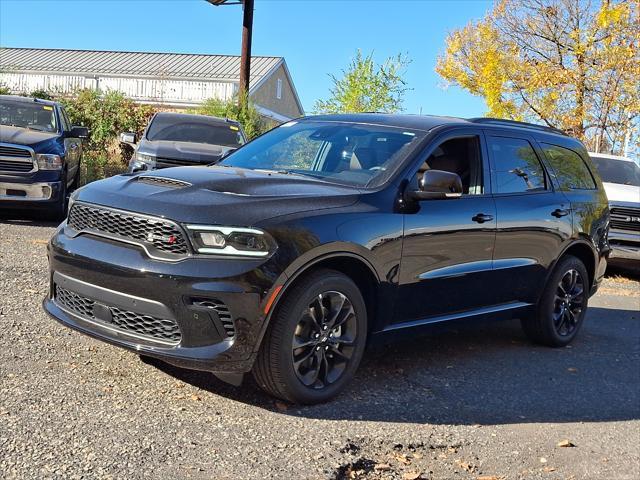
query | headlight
[141, 162]
[145, 158]
[48, 161]
[238, 241]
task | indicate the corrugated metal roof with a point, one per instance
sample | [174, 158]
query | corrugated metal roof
[138, 64]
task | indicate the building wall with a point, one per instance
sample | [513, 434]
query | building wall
[152, 90]
[266, 95]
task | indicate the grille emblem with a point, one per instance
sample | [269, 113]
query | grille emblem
[152, 237]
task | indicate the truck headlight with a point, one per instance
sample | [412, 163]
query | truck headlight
[141, 162]
[238, 241]
[47, 161]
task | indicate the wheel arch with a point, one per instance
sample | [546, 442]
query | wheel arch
[585, 252]
[351, 264]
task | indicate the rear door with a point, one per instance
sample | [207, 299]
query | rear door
[448, 244]
[533, 219]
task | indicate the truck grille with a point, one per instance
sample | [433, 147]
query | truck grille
[625, 218]
[15, 159]
[159, 234]
[153, 328]
[174, 162]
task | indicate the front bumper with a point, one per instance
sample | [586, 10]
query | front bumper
[116, 277]
[624, 245]
[20, 194]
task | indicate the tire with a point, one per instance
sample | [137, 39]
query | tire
[557, 317]
[326, 359]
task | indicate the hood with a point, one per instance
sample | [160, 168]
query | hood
[24, 136]
[198, 153]
[217, 195]
[617, 192]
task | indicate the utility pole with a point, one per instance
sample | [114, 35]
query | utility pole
[245, 57]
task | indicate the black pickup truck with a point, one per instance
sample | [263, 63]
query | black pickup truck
[40, 154]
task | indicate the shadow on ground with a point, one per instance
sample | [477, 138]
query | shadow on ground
[487, 374]
[28, 217]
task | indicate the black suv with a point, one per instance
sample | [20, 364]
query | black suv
[40, 154]
[327, 232]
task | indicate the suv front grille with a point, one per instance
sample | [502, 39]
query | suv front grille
[153, 328]
[625, 218]
[159, 234]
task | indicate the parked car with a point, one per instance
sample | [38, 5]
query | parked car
[179, 139]
[328, 232]
[621, 180]
[40, 154]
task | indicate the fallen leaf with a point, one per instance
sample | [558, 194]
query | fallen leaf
[565, 443]
[382, 467]
[543, 460]
[402, 458]
[549, 469]
[411, 476]
[39, 241]
[281, 406]
[488, 477]
[195, 398]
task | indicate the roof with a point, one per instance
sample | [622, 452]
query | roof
[18, 98]
[137, 64]
[203, 118]
[429, 122]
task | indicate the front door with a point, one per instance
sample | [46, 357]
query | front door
[446, 264]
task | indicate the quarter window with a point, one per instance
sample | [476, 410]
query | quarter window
[516, 167]
[570, 170]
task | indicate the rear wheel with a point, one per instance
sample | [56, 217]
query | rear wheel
[562, 306]
[316, 340]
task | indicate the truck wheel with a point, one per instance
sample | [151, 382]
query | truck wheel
[315, 341]
[561, 309]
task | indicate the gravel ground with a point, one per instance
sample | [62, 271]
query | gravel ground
[480, 403]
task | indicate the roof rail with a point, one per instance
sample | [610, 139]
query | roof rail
[515, 123]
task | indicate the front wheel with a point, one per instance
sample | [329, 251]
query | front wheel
[562, 307]
[315, 341]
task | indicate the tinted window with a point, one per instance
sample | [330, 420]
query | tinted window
[194, 129]
[569, 168]
[345, 153]
[618, 171]
[515, 167]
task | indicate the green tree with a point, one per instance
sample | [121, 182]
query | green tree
[570, 64]
[245, 113]
[367, 87]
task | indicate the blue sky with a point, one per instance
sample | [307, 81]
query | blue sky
[315, 37]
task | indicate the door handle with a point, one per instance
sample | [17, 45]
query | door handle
[481, 218]
[560, 212]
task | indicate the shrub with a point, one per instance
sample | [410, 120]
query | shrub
[252, 124]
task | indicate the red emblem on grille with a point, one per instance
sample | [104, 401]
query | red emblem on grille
[172, 239]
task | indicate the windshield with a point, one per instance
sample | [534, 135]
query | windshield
[618, 171]
[28, 115]
[345, 153]
[194, 129]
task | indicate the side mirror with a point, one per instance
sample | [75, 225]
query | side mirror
[438, 184]
[128, 138]
[226, 153]
[79, 132]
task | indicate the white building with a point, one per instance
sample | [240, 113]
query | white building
[176, 80]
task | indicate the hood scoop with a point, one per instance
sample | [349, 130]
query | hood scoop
[163, 181]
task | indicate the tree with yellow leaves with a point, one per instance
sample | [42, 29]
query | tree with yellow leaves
[569, 64]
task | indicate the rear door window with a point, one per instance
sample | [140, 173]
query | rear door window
[515, 167]
[570, 170]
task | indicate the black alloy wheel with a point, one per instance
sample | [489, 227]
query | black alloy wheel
[324, 339]
[560, 312]
[315, 341]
